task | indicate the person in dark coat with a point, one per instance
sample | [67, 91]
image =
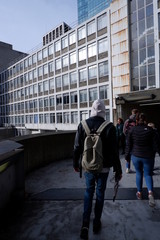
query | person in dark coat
[96, 180]
[120, 135]
[142, 145]
[128, 124]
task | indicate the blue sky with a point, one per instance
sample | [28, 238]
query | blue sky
[23, 23]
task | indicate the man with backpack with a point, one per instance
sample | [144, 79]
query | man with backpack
[128, 124]
[96, 147]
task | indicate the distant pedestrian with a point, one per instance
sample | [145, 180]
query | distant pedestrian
[128, 124]
[95, 179]
[142, 144]
[120, 135]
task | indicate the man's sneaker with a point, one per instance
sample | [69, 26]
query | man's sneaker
[151, 200]
[84, 233]
[128, 170]
[96, 227]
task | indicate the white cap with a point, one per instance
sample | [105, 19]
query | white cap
[98, 108]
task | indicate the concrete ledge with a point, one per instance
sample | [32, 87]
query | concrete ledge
[57, 194]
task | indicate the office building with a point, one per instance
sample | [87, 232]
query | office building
[89, 8]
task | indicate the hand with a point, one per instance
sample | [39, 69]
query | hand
[76, 169]
[118, 177]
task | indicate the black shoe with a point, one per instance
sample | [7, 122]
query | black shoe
[96, 227]
[84, 233]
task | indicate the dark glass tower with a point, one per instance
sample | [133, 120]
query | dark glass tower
[89, 8]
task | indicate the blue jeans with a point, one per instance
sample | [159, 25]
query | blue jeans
[143, 165]
[92, 180]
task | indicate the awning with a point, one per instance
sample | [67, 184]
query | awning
[145, 97]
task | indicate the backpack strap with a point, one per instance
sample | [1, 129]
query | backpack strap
[99, 130]
[102, 126]
[85, 126]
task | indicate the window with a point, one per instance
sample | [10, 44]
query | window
[59, 100]
[57, 46]
[50, 67]
[74, 117]
[92, 72]
[39, 56]
[58, 64]
[39, 71]
[34, 59]
[46, 118]
[45, 86]
[73, 97]
[59, 117]
[103, 69]
[73, 77]
[64, 42]
[51, 101]
[66, 117]
[65, 61]
[102, 45]
[40, 87]
[45, 53]
[30, 75]
[83, 75]
[35, 89]
[91, 28]
[104, 92]
[45, 69]
[72, 57]
[66, 98]
[51, 84]
[50, 49]
[83, 96]
[102, 21]
[81, 33]
[40, 102]
[65, 80]
[72, 38]
[34, 73]
[26, 92]
[52, 117]
[29, 61]
[92, 50]
[58, 82]
[45, 102]
[82, 54]
[40, 118]
[31, 90]
[92, 94]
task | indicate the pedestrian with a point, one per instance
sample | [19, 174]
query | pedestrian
[128, 124]
[142, 144]
[152, 125]
[96, 180]
[120, 135]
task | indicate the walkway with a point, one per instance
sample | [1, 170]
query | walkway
[54, 204]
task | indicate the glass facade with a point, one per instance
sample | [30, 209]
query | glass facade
[142, 45]
[89, 8]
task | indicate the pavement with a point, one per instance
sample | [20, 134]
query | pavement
[53, 207]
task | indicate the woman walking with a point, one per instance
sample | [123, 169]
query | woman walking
[142, 144]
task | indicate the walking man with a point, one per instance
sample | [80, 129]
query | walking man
[95, 179]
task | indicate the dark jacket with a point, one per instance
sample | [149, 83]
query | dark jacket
[108, 136]
[129, 123]
[142, 142]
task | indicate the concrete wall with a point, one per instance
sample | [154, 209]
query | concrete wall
[39, 150]
[42, 149]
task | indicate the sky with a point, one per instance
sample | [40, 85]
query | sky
[23, 23]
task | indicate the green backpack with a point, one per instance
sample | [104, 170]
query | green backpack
[92, 158]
